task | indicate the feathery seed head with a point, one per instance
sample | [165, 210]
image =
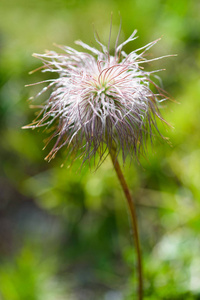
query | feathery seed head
[99, 101]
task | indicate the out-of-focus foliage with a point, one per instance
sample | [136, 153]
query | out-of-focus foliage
[65, 231]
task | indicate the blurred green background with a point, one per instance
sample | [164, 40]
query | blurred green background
[65, 233]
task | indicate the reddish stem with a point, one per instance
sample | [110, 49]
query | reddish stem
[133, 220]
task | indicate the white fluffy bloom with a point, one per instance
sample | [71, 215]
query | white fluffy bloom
[99, 101]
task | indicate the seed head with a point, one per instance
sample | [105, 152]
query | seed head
[99, 101]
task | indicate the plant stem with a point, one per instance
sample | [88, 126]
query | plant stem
[133, 219]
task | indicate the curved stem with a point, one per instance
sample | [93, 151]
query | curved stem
[133, 220]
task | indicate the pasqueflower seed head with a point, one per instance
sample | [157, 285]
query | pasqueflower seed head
[99, 101]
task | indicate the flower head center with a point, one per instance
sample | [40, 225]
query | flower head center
[102, 86]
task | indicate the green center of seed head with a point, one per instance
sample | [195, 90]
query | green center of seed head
[102, 87]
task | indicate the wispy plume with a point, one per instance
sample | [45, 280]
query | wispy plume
[99, 101]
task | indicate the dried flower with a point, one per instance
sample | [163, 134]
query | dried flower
[99, 101]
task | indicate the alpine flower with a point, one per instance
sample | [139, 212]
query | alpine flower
[101, 104]
[99, 101]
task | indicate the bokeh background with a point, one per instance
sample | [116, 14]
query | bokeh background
[65, 232]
